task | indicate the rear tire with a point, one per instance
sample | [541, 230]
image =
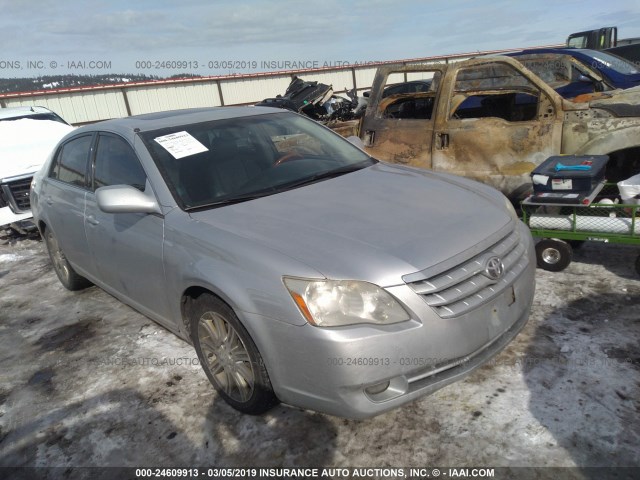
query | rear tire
[65, 272]
[229, 356]
[553, 255]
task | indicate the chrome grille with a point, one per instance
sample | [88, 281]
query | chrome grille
[466, 287]
[17, 194]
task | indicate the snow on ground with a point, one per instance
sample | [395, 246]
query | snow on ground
[87, 381]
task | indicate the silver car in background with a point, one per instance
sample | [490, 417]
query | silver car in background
[301, 269]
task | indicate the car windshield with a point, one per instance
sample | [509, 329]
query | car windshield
[237, 159]
[612, 61]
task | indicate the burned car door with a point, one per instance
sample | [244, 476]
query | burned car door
[565, 74]
[496, 124]
[398, 127]
[126, 247]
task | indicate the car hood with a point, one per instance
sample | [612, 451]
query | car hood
[375, 224]
[621, 103]
[26, 143]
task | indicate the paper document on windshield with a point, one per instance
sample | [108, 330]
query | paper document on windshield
[181, 144]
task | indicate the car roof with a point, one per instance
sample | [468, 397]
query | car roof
[129, 126]
[17, 112]
[559, 51]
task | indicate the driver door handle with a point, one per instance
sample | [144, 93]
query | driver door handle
[92, 220]
[369, 138]
[442, 141]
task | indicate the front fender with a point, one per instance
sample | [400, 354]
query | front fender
[241, 271]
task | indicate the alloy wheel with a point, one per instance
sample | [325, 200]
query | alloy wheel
[226, 356]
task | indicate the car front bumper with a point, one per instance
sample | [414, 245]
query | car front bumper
[7, 216]
[362, 371]
[14, 199]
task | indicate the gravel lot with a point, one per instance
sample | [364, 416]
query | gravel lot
[87, 381]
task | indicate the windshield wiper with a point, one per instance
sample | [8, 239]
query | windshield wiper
[232, 200]
[325, 175]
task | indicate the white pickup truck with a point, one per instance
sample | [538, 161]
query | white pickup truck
[27, 137]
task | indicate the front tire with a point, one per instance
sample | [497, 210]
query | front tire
[229, 357]
[65, 272]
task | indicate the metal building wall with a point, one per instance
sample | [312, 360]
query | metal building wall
[77, 107]
[86, 105]
[158, 98]
[248, 90]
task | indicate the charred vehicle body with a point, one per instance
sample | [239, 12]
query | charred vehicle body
[493, 120]
[317, 101]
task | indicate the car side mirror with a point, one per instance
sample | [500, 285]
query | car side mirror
[125, 199]
[585, 79]
[366, 94]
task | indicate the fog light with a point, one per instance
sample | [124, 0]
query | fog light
[385, 391]
[377, 388]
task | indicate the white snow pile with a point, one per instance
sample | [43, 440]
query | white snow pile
[9, 257]
[26, 143]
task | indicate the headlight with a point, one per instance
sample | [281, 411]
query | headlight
[333, 303]
[510, 208]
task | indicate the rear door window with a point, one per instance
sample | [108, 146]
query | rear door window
[71, 162]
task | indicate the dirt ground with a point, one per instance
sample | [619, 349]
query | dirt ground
[87, 381]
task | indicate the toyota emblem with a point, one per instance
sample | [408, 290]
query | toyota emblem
[494, 268]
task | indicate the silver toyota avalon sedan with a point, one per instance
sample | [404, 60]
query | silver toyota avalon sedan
[300, 268]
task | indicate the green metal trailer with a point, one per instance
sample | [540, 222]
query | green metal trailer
[560, 226]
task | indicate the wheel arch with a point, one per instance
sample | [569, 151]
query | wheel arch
[41, 227]
[187, 300]
[623, 148]
[612, 141]
[194, 291]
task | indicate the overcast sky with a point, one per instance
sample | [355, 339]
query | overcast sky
[117, 36]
